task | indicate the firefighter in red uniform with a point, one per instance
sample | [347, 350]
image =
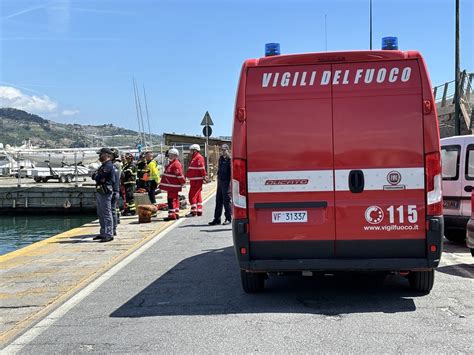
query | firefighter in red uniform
[172, 182]
[196, 174]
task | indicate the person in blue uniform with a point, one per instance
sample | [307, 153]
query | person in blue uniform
[104, 178]
[223, 194]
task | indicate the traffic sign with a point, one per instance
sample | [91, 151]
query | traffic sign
[207, 121]
[207, 131]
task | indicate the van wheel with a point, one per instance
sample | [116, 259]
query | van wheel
[455, 235]
[421, 281]
[252, 282]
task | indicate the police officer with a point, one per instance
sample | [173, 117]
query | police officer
[223, 198]
[104, 179]
[129, 178]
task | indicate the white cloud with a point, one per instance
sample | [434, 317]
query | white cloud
[12, 97]
[70, 112]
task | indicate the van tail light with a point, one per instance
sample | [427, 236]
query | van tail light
[434, 196]
[239, 188]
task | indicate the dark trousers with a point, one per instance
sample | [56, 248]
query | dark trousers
[115, 210]
[104, 210]
[151, 191]
[223, 200]
[129, 198]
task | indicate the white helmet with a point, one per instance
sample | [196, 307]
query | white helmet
[195, 147]
[173, 151]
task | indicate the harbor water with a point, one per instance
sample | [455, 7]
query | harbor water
[19, 231]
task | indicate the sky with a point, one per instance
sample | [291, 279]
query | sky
[74, 61]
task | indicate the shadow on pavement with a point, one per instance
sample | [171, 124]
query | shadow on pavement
[216, 230]
[209, 283]
[461, 270]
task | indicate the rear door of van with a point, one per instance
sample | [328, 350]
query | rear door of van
[467, 173]
[451, 157]
[379, 160]
[290, 163]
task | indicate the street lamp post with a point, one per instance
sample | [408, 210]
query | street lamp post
[457, 70]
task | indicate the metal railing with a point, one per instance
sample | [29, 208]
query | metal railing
[444, 97]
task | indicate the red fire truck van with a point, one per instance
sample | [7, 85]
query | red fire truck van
[336, 166]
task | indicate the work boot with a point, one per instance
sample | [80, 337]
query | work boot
[227, 221]
[199, 213]
[215, 222]
[191, 214]
[97, 237]
[170, 218]
[106, 239]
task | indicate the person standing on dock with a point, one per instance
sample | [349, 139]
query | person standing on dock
[104, 179]
[153, 176]
[129, 178]
[142, 169]
[223, 194]
[172, 181]
[116, 187]
[196, 174]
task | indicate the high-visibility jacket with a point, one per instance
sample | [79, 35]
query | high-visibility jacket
[172, 179]
[197, 168]
[153, 171]
[129, 174]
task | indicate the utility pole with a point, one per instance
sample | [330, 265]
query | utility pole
[370, 25]
[457, 70]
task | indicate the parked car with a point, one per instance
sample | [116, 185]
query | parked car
[457, 158]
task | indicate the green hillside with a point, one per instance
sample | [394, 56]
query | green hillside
[17, 126]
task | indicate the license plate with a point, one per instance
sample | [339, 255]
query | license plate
[290, 217]
[451, 204]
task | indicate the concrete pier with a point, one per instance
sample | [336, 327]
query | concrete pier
[54, 197]
[37, 279]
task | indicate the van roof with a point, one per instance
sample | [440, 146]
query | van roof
[333, 57]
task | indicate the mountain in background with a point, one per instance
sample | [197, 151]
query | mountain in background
[17, 126]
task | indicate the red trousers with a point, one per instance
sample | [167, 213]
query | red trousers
[173, 204]
[195, 197]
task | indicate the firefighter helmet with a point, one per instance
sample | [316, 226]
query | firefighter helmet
[173, 151]
[195, 147]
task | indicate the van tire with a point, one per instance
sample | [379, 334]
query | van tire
[252, 282]
[455, 235]
[421, 281]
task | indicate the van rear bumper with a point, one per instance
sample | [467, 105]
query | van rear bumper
[359, 255]
[337, 265]
[456, 222]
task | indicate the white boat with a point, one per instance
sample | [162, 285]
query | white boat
[8, 164]
[54, 157]
[60, 158]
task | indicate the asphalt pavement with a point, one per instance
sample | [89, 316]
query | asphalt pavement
[183, 295]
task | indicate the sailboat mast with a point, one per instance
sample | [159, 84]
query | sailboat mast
[138, 114]
[147, 116]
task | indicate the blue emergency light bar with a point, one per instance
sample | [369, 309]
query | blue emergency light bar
[389, 43]
[272, 49]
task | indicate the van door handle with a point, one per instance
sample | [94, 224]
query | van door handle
[356, 181]
[468, 188]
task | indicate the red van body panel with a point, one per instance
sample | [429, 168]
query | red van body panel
[334, 147]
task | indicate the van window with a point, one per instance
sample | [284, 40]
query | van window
[470, 162]
[450, 161]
